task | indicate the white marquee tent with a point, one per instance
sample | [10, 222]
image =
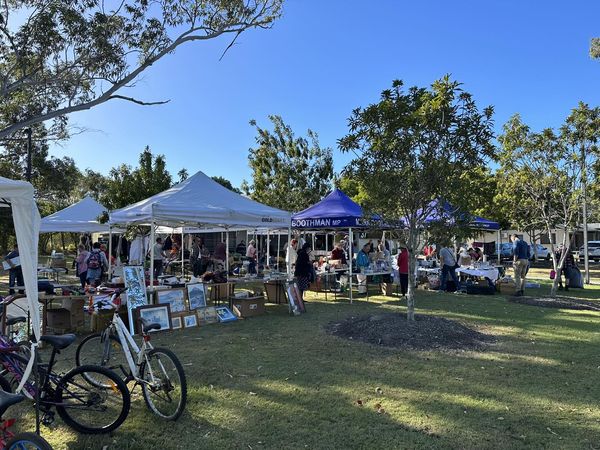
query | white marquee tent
[80, 217]
[19, 195]
[200, 202]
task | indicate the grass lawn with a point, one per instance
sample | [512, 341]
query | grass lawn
[278, 381]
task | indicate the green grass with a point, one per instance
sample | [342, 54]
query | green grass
[278, 381]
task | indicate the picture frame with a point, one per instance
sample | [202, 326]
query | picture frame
[135, 284]
[190, 321]
[160, 314]
[224, 314]
[175, 298]
[197, 294]
[176, 323]
[208, 314]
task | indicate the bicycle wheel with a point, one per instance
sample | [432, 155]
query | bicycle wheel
[164, 385]
[27, 441]
[89, 408]
[96, 351]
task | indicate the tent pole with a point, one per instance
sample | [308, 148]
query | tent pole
[226, 250]
[182, 252]
[152, 239]
[289, 261]
[109, 254]
[278, 247]
[268, 249]
[499, 247]
[350, 250]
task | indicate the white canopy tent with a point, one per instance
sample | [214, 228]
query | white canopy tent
[26, 218]
[80, 217]
[200, 202]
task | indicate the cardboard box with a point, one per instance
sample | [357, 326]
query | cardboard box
[387, 289]
[248, 307]
[58, 321]
[507, 288]
[275, 292]
[220, 291]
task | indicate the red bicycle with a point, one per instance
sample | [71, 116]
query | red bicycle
[20, 441]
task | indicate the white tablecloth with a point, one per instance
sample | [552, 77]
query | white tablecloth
[491, 273]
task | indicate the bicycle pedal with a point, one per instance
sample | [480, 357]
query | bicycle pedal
[48, 418]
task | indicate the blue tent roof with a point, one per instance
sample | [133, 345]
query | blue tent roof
[336, 210]
[447, 209]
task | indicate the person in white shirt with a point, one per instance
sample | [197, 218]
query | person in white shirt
[291, 254]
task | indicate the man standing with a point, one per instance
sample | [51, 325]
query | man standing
[448, 262]
[15, 273]
[159, 254]
[520, 262]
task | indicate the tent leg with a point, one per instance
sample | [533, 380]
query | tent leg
[182, 254]
[152, 239]
[289, 261]
[350, 250]
[278, 248]
[499, 247]
[268, 249]
[109, 253]
[227, 251]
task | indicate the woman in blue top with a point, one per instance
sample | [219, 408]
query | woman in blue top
[362, 262]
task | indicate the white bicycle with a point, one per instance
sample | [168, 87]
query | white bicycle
[156, 370]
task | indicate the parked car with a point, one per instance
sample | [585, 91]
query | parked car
[542, 252]
[593, 251]
[506, 250]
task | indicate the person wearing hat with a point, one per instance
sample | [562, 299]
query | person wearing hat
[251, 255]
[304, 270]
[403, 269]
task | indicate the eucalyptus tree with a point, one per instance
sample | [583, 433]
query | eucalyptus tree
[411, 149]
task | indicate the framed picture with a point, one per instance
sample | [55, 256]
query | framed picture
[175, 298]
[225, 315]
[176, 323]
[135, 284]
[196, 295]
[190, 321]
[208, 314]
[160, 314]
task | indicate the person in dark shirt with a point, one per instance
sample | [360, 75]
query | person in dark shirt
[520, 263]
[568, 266]
[303, 269]
[338, 253]
[15, 273]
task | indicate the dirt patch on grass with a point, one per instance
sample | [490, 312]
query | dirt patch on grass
[557, 302]
[425, 333]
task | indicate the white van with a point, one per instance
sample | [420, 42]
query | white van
[593, 251]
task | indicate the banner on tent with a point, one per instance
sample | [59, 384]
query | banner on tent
[340, 222]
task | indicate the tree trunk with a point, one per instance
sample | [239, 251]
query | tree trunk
[410, 294]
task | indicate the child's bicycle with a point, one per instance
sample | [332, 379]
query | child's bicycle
[21, 441]
[157, 370]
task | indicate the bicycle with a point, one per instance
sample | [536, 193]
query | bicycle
[20, 441]
[157, 370]
[86, 407]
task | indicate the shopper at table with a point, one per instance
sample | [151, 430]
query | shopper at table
[464, 258]
[220, 254]
[448, 262]
[304, 269]
[159, 255]
[403, 269]
[81, 264]
[476, 254]
[363, 263]
[96, 263]
[520, 262]
[15, 273]
[251, 255]
[338, 254]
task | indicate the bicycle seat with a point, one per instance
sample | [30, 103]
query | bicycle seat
[7, 400]
[59, 342]
[147, 326]
[14, 320]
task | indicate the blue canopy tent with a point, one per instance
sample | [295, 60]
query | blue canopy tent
[334, 211]
[448, 212]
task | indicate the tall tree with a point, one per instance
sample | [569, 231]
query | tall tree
[59, 57]
[412, 147]
[541, 176]
[126, 185]
[226, 183]
[289, 173]
[595, 48]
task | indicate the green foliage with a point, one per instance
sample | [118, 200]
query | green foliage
[352, 188]
[412, 148]
[58, 57]
[595, 48]
[126, 185]
[226, 183]
[287, 172]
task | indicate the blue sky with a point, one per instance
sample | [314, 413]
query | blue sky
[324, 58]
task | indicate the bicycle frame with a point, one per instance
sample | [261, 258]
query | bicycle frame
[130, 347]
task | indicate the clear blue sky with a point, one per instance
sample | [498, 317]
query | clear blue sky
[325, 57]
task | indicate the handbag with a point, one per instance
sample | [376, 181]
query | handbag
[552, 274]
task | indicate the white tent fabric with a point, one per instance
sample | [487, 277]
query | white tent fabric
[201, 201]
[27, 225]
[80, 217]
